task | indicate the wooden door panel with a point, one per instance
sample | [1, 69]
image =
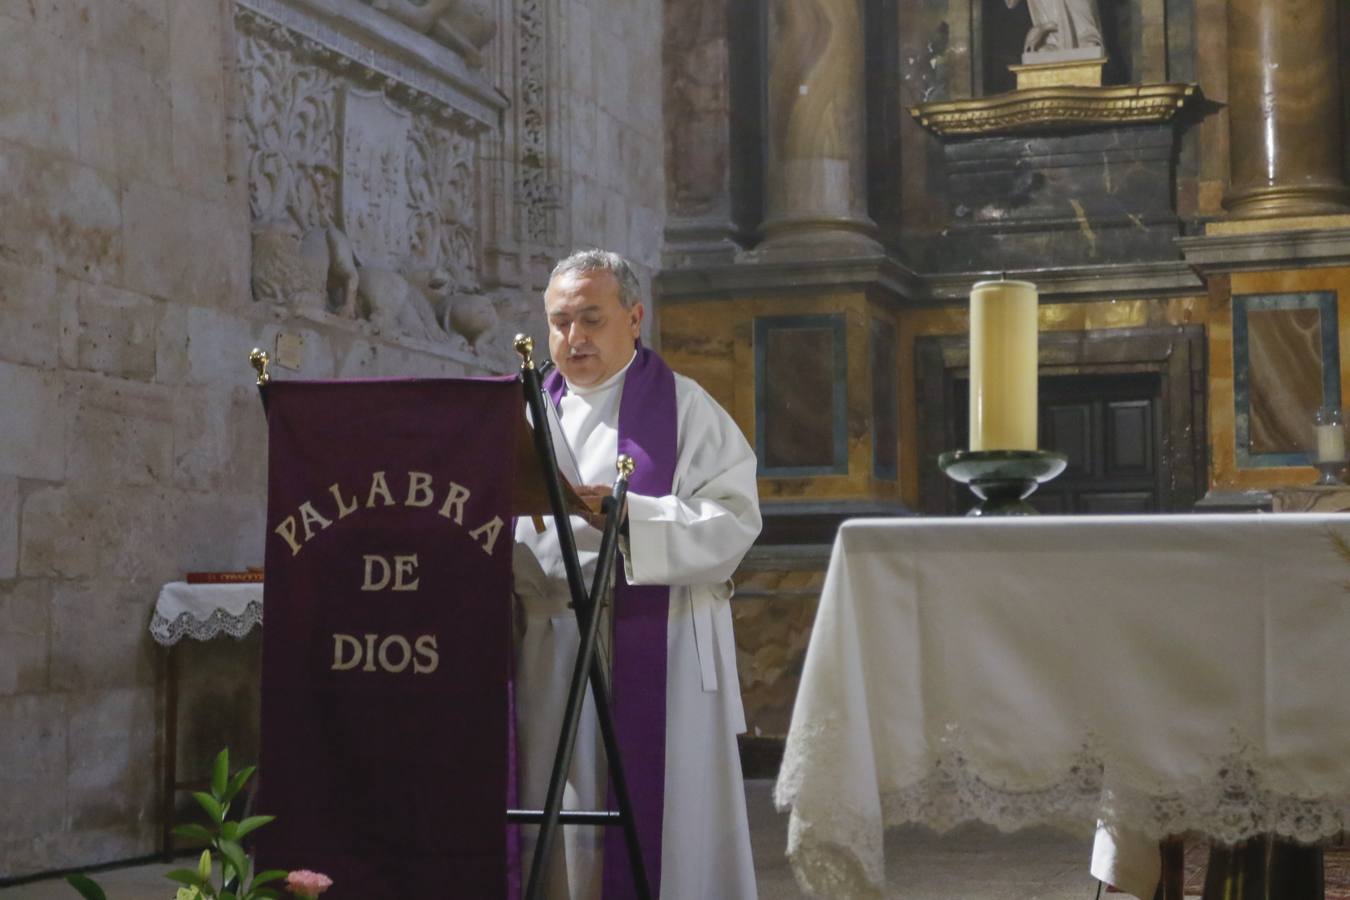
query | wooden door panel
[1068, 430]
[1106, 426]
[1129, 437]
[1107, 503]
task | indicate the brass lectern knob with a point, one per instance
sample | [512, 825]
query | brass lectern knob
[259, 360]
[524, 345]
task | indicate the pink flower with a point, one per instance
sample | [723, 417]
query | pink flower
[304, 883]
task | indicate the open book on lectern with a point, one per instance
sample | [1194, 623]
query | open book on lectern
[531, 495]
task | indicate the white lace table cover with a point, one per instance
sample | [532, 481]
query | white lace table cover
[1161, 673]
[203, 611]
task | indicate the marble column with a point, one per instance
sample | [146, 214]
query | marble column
[816, 178]
[698, 119]
[1284, 97]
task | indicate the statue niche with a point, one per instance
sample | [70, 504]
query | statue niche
[1059, 66]
[1034, 36]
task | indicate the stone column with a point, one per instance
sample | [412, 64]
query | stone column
[1284, 96]
[816, 178]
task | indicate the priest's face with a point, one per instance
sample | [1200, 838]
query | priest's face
[590, 334]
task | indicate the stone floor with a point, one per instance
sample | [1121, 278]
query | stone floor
[970, 864]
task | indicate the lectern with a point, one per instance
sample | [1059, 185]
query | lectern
[366, 691]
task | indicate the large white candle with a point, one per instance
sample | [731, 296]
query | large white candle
[1003, 366]
[1331, 443]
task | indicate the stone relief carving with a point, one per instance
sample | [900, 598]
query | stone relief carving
[375, 197]
[443, 189]
[361, 207]
[393, 304]
[536, 191]
[289, 117]
[329, 253]
[280, 274]
[369, 173]
[464, 26]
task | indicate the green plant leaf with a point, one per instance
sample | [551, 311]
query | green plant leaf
[238, 781]
[220, 775]
[185, 876]
[264, 894]
[228, 895]
[228, 830]
[194, 832]
[234, 855]
[252, 823]
[88, 889]
[269, 875]
[212, 806]
[204, 866]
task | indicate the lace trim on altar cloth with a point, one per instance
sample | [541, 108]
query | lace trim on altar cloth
[829, 865]
[169, 632]
[837, 852]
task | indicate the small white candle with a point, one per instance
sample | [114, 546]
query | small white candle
[1003, 366]
[1330, 443]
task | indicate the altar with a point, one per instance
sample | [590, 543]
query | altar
[1159, 674]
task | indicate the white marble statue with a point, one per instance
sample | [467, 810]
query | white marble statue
[1061, 25]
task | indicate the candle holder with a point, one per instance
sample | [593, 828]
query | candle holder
[1002, 479]
[1329, 473]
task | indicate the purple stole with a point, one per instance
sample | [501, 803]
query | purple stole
[647, 433]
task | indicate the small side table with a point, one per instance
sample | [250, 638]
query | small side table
[200, 612]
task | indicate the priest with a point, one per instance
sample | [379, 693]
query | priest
[692, 513]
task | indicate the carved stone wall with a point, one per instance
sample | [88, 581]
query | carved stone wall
[536, 180]
[366, 181]
[525, 157]
[363, 187]
[451, 185]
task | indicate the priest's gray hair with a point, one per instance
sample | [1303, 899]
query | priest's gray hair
[583, 262]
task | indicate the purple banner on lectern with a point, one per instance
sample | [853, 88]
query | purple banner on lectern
[387, 634]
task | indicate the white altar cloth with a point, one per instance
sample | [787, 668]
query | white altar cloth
[1161, 674]
[202, 611]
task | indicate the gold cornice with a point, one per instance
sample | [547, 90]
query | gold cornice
[1053, 109]
[1282, 223]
